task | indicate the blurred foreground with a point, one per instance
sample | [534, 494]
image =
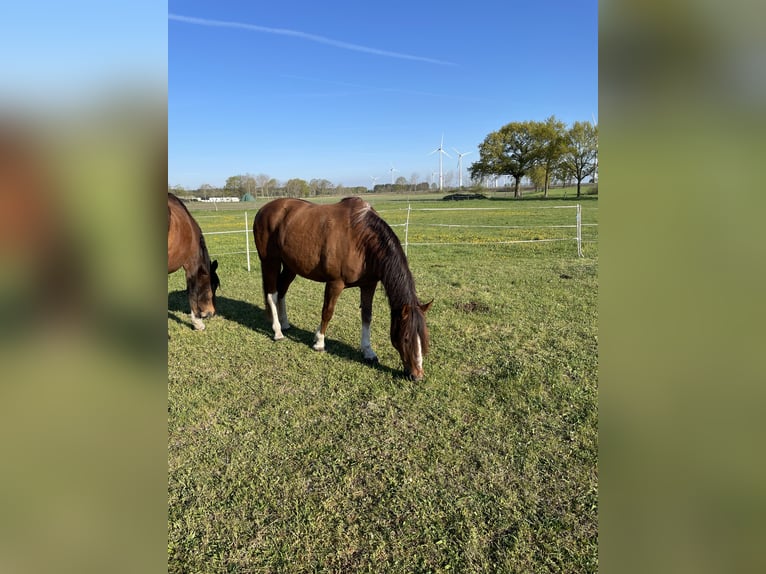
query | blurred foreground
[683, 103]
[82, 346]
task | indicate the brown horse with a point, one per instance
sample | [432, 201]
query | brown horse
[36, 239]
[187, 249]
[345, 244]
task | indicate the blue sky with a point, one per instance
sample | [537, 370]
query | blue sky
[345, 90]
[67, 54]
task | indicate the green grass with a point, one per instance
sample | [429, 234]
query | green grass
[282, 459]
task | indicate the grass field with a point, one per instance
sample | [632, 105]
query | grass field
[282, 459]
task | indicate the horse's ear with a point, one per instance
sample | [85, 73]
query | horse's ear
[214, 265]
[427, 306]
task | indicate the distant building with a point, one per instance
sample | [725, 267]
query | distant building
[222, 200]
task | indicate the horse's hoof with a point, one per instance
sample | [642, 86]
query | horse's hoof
[278, 338]
[199, 326]
[318, 349]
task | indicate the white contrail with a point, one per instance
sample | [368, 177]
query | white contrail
[305, 36]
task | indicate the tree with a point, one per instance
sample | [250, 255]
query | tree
[233, 186]
[249, 185]
[537, 176]
[297, 187]
[580, 152]
[414, 180]
[178, 190]
[320, 186]
[263, 180]
[513, 150]
[239, 185]
[272, 184]
[550, 139]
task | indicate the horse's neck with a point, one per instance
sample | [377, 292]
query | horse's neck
[396, 277]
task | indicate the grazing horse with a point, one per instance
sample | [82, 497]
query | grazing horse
[187, 249]
[345, 244]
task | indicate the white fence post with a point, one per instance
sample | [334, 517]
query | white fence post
[407, 229]
[579, 231]
[247, 244]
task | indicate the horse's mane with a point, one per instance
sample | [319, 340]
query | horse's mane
[384, 252]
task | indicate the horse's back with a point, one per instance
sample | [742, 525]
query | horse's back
[315, 241]
[292, 218]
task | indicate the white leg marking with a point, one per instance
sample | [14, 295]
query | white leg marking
[318, 340]
[272, 298]
[197, 322]
[367, 351]
[282, 305]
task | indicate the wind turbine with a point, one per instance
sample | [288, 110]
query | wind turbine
[374, 178]
[460, 166]
[441, 151]
[392, 170]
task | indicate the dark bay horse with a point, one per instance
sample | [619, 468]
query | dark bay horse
[345, 244]
[187, 249]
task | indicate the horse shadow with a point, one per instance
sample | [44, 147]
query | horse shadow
[253, 317]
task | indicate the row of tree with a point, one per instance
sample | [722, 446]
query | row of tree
[264, 186]
[540, 151]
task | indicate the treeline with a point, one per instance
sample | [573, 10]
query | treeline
[540, 151]
[262, 185]
[241, 186]
[400, 186]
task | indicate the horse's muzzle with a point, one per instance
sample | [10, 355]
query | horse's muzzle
[413, 376]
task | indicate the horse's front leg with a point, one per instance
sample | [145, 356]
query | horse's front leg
[190, 291]
[368, 292]
[332, 291]
[197, 322]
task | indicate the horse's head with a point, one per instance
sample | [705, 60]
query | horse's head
[202, 291]
[409, 336]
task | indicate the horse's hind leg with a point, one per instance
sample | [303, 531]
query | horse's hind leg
[368, 292]
[332, 291]
[283, 284]
[269, 274]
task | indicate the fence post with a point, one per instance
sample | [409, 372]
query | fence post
[407, 229]
[247, 244]
[579, 231]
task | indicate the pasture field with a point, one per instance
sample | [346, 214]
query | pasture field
[282, 459]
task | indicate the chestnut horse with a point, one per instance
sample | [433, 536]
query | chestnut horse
[187, 249]
[345, 244]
